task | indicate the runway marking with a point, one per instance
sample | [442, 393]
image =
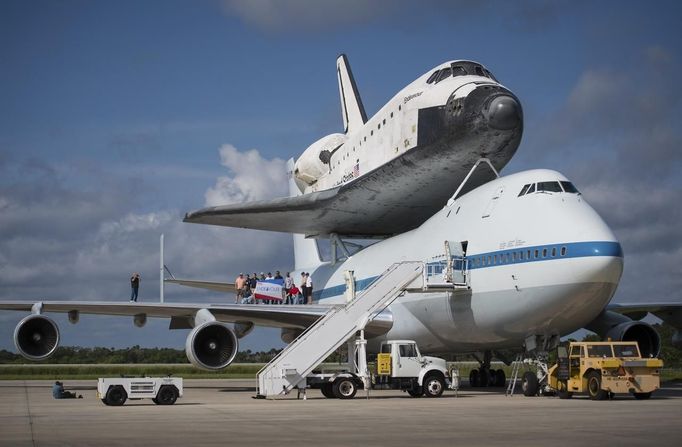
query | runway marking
[30, 417]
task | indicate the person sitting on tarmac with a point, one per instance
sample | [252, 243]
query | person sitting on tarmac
[58, 392]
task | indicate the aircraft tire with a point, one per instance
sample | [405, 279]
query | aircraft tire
[500, 378]
[473, 378]
[529, 385]
[594, 386]
[116, 396]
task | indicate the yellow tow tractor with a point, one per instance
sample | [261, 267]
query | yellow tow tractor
[601, 369]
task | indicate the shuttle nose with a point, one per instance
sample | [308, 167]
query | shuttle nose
[504, 113]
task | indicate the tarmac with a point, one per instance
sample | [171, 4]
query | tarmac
[218, 412]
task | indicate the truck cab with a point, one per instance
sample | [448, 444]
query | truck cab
[400, 365]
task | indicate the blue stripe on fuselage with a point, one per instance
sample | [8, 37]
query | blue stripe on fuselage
[572, 250]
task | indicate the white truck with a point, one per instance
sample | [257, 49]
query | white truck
[161, 390]
[399, 366]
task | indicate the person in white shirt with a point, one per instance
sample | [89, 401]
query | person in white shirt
[309, 288]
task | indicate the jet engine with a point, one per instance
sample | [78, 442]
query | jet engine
[211, 346]
[36, 337]
[646, 336]
[620, 327]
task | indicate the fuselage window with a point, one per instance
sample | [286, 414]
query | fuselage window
[378, 126]
[432, 77]
[563, 251]
[549, 187]
[488, 260]
[544, 252]
[524, 190]
[444, 74]
[520, 256]
[568, 187]
[495, 259]
[514, 256]
[553, 251]
[384, 121]
[478, 262]
[400, 107]
[391, 114]
[508, 257]
[528, 257]
[365, 138]
[479, 70]
[371, 133]
[458, 70]
[536, 254]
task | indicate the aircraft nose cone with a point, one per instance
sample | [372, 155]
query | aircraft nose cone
[504, 113]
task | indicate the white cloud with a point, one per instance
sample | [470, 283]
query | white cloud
[273, 15]
[252, 177]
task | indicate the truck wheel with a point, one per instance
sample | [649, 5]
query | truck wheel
[344, 388]
[500, 378]
[641, 396]
[116, 396]
[416, 392]
[473, 378]
[327, 391]
[529, 385]
[563, 392]
[167, 395]
[433, 386]
[594, 386]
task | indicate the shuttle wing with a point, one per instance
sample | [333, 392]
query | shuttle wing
[381, 203]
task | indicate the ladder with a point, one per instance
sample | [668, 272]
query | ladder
[516, 366]
[291, 366]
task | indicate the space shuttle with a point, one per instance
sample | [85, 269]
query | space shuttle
[387, 174]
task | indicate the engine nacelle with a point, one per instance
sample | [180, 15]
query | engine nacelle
[211, 346]
[646, 336]
[36, 337]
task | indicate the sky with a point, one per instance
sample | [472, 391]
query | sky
[116, 118]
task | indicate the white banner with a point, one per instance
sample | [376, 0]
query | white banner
[269, 291]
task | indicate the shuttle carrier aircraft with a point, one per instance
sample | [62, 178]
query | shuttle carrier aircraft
[389, 173]
[516, 262]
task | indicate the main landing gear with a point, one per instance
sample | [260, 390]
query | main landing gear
[485, 376]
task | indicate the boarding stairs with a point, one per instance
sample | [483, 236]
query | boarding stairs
[290, 367]
[516, 368]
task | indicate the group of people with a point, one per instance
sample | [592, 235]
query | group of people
[245, 287]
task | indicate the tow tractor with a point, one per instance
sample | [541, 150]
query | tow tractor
[602, 369]
[399, 366]
[161, 390]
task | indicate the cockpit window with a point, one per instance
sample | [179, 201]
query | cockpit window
[524, 190]
[433, 77]
[458, 70]
[549, 187]
[568, 187]
[490, 75]
[479, 70]
[444, 74]
[531, 189]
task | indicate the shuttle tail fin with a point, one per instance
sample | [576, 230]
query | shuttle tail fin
[352, 110]
[306, 251]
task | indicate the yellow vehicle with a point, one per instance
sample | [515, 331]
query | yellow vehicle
[601, 369]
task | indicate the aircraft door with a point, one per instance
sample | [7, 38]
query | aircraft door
[457, 261]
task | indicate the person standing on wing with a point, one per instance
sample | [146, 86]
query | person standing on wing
[309, 288]
[135, 286]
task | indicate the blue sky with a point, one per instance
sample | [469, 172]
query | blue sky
[118, 117]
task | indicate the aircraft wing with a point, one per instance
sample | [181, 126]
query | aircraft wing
[224, 287]
[279, 316]
[671, 313]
